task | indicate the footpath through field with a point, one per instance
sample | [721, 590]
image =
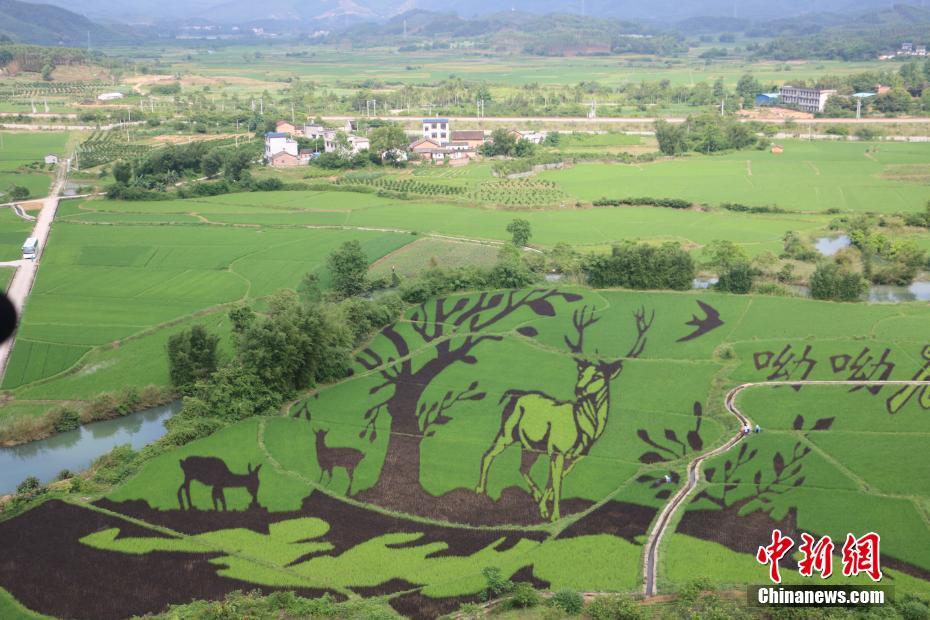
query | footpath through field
[654, 540]
[26, 270]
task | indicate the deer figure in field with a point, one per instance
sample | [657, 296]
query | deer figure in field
[562, 430]
[214, 473]
[331, 458]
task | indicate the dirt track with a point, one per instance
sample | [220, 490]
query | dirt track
[654, 541]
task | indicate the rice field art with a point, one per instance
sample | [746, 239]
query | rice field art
[524, 430]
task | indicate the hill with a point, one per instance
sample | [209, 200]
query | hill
[44, 24]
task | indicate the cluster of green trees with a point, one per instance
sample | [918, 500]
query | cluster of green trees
[642, 266]
[835, 282]
[505, 144]
[704, 133]
[885, 260]
[163, 168]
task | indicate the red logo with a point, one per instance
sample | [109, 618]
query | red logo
[774, 552]
[859, 555]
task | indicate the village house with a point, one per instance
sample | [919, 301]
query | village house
[281, 150]
[356, 144]
[51, 159]
[312, 131]
[285, 127]
[474, 138]
[810, 100]
[437, 129]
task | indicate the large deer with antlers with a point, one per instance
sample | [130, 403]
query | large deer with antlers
[563, 430]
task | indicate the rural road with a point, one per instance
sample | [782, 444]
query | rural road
[582, 120]
[25, 274]
[654, 540]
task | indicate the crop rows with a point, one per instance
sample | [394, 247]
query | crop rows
[40, 89]
[409, 186]
[518, 192]
[101, 147]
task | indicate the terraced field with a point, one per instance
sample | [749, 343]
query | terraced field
[431, 482]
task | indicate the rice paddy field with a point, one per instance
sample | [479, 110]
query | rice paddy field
[357, 493]
[108, 297]
[849, 176]
[18, 149]
[332, 65]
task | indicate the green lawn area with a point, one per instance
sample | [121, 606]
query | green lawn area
[823, 175]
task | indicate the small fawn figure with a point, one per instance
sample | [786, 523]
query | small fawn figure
[331, 458]
[213, 472]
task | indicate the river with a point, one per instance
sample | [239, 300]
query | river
[77, 450]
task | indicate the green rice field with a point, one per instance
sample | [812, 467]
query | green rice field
[405, 521]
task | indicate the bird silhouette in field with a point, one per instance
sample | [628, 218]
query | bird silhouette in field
[332, 458]
[214, 472]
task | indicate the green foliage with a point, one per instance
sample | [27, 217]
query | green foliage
[615, 607]
[523, 596]
[737, 278]
[723, 254]
[642, 266]
[569, 601]
[520, 232]
[348, 268]
[17, 192]
[704, 133]
[496, 585]
[832, 283]
[192, 356]
[29, 485]
[65, 419]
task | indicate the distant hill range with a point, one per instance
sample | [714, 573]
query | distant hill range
[45, 24]
[238, 11]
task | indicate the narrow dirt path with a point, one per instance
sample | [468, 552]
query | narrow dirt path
[654, 540]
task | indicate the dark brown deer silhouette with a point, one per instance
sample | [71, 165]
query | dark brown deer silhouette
[331, 458]
[213, 472]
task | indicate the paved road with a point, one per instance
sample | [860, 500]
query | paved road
[581, 120]
[25, 274]
[651, 557]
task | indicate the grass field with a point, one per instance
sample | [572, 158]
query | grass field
[848, 176]
[454, 368]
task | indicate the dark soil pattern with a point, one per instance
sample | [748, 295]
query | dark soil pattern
[46, 568]
[615, 518]
[350, 525]
[747, 533]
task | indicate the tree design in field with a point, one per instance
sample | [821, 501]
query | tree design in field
[563, 431]
[454, 328]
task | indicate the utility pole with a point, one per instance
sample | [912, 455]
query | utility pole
[858, 108]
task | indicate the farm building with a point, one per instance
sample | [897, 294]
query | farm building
[777, 149]
[285, 127]
[51, 159]
[285, 160]
[808, 99]
[356, 144]
[437, 129]
[280, 149]
[314, 131]
[472, 137]
[109, 96]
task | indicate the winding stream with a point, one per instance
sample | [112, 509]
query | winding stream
[77, 450]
